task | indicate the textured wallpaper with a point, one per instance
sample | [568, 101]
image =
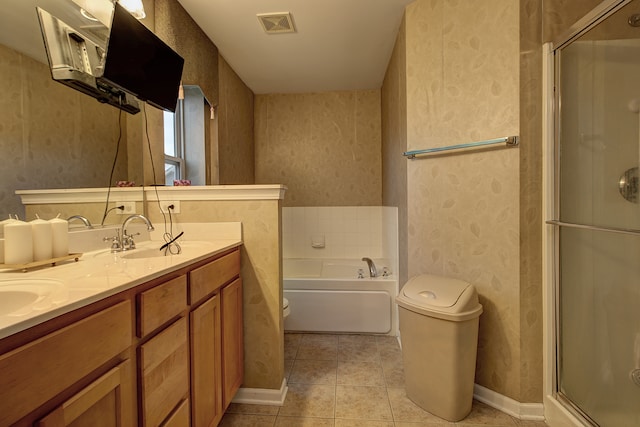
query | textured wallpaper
[235, 128]
[325, 147]
[559, 16]
[52, 136]
[531, 317]
[177, 29]
[394, 143]
[261, 280]
[462, 79]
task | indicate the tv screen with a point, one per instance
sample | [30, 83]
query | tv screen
[138, 62]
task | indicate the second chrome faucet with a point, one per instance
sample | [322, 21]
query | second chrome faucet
[124, 241]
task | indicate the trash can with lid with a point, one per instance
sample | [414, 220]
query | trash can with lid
[439, 332]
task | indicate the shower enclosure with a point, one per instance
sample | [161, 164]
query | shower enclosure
[597, 217]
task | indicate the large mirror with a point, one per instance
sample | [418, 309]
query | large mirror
[52, 136]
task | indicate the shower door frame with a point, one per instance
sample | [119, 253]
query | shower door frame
[557, 408]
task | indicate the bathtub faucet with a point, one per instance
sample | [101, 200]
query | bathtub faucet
[373, 272]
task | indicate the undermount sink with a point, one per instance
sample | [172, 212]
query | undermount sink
[16, 294]
[151, 249]
[143, 253]
[11, 301]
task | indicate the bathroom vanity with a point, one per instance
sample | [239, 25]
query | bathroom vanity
[141, 341]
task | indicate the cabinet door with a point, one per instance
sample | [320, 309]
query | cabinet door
[232, 340]
[164, 373]
[180, 417]
[106, 402]
[206, 364]
[37, 372]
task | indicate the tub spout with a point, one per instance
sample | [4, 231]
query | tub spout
[373, 272]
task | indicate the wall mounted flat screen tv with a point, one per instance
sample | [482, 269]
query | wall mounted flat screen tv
[138, 62]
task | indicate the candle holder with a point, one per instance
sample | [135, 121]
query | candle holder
[34, 264]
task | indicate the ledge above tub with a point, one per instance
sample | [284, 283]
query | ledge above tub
[134, 194]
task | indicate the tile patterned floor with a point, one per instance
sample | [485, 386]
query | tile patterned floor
[351, 381]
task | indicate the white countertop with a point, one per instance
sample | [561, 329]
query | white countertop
[97, 275]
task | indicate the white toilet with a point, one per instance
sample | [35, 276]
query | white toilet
[285, 308]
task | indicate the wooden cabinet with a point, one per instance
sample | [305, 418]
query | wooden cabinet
[163, 373]
[35, 373]
[106, 402]
[206, 363]
[209, 278]
[168, 352]
[179, 417]
[217, 361]
[160, 304]
[232, 340]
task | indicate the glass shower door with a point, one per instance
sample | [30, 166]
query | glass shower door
[598, 149]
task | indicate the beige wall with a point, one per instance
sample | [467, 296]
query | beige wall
[394, 143]
[471, 75]
[177, 29]
[462, 85]
[261, 278]
[531, 200]
[325, 147]
[235, 128]
[52, 136]
[559, 16]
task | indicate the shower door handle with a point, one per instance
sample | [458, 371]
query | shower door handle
[631, 231]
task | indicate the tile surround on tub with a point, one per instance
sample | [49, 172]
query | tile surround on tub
[348, 232]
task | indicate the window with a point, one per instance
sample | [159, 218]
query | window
[174, 161]
[185, 136]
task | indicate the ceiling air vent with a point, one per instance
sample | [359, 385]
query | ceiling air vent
[276, 23]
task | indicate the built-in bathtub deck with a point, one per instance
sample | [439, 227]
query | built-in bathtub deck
[327, 296]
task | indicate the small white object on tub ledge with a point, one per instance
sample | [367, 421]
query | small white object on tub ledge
[317, 241]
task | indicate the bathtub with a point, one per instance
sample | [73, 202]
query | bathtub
[326, 295]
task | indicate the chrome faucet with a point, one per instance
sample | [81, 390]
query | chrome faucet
[84, 220]
[373, 272]
[127, 239]
[123, 241]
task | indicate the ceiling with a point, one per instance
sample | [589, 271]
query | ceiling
[338, 45]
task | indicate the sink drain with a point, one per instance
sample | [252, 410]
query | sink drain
[635, 376]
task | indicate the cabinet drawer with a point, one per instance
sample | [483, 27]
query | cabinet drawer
[33, 374]
[164, 373]
[208, 278]
[160, 304]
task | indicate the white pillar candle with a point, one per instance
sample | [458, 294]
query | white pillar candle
[18, 243]
[2, 224]
[42, 239]
[5, 222]
[60, 230]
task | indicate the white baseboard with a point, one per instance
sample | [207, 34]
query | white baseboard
[262, 396]
[523, 411]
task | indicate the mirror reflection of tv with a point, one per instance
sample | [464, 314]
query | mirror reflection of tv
[138, 62]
